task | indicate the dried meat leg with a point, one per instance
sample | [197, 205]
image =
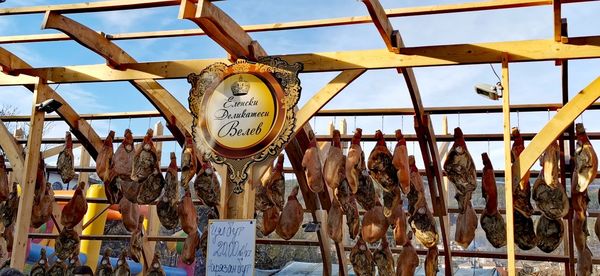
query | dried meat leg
[166, 208]
[586, 165]
[549, 233]
[374, 224]
[75, 209]
[383, 258]
[362, 259]
[491, 220]
[548, 193]
[335, 221]
[190, 245]
[311, 162]
[291, 217]
[67, 243]
[276, 183]
[355, 162]
[408, 261]
[207, 185]
[105, 268]
[135, 243]
[104, 164]
[381, 165]
[431, 261]
[41, 267]
[123, 166]
[122, 268]
[333, 168]
[155, 268]
[400, 161]
[65, 161]
[189, 162]
[460, 168]
[4, 186]
[187, 214]
[59, 268]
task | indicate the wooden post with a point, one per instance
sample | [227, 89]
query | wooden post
[443, 153]
[510, 239]
[32, 160]
[17, 172]
[153, 225]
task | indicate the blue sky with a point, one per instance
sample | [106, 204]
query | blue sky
[536, 82]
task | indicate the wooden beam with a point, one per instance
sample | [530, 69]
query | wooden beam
[508, 198]
[440, 55]
[382, 23]
[28, 179]
[90, 6]
[9, 62]
[222, 29]
[396, 12]
[323, 96]
[87, 37]
[557, 20]
[179, 120]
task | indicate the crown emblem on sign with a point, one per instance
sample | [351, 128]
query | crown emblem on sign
[240, 87]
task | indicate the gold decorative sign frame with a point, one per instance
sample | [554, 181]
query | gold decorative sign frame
[283, 83]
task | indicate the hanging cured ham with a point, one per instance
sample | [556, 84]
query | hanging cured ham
[4, 186]
[189, 162]
[383, 258]
[190, 245]
[187, 214]
[207, 185]
[166, 208]
[491, 220]
[123, 165]
[349, 206]
[365, 195]
[362, 259]
[399, 224]
[355, 162]
[390, 200]
[75, 209]
[374, 224]
[380, 164]
[9, 208]
[135, 243]
[548, 193]
[400, 161]
[549, 233]
[104, 160]
[73, 263]
[431, 261]
[263, 199]
[105, 268]
[335, 221]
[155, 268]
[460, 168]
[130, 213]
[65, 162]
[41, 267]
[291, 217]
[333, 169]
[579, 202]
[525, 237]
[122, 268]
[149, 177]
[270, 220]
[421, 219]
[408, 261]
[276, 183]
[67, 243]
[59, 268]
[43, 210]
[586, 165]
[311, 163]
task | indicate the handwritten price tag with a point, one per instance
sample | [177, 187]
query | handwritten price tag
[231, 245]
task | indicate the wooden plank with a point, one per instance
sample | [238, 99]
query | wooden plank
[13, 151]
[9, 62]
[470, 109]
[341, 21]
[87, 37]
[439, 55]
[90, 6]
[153, 225]
[556, 18]
[323, 96]
[510, 239]
[382, 23]
[55, 151]
[222, 29]
[28, 179]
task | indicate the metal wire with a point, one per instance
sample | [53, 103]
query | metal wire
[494, 70]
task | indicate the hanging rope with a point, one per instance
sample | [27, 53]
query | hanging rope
[382, 119]
[129, 125]
[458, 119]
[488, 151]
[149, 122]
[109, 125]
[518, 121]
[354, 122]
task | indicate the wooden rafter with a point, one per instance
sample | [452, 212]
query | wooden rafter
[179, 120]
[80, 127]
[28, 178]
[221, 28]
[9, 62]
[91, 6]
[440, 55]
[323, 96]
[423, 127]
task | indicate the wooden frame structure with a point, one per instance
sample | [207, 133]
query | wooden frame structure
[235, 39]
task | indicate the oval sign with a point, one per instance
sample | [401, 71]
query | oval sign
[240, 112]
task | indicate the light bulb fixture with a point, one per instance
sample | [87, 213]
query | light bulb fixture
[492, 92]
[49, 105]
